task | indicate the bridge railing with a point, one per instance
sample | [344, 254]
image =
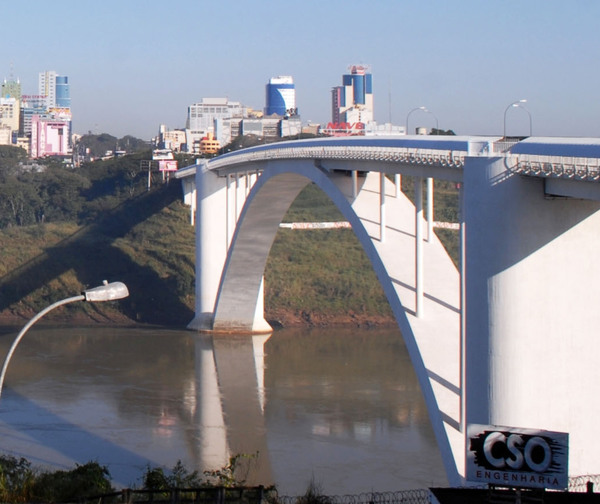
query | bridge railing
[575, 168]
[450, 159]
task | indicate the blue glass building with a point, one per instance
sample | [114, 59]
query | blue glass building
[281, 97]
[63, 92]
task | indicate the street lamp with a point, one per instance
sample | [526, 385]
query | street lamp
[518, 104]
[105, 292]
[414, 110]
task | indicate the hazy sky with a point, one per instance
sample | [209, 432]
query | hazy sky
[134, 64]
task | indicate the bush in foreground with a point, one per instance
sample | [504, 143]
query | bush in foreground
[19, 482]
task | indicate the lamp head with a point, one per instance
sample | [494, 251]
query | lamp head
[106, 292]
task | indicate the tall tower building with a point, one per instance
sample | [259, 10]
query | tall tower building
[281, 96]
[47, 87]
[11, 89]
[63, 92]
[56, 99]
[352, 102]
[10, 107]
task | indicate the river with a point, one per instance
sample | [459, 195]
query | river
[341, 408]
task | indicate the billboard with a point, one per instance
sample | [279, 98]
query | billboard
[515, 457]
[344, 129]
[167, 165]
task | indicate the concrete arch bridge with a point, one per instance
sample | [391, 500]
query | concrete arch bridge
[507, 339]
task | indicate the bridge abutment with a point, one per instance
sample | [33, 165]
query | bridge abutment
[532, 292]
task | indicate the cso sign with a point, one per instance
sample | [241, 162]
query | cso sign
[517, 457]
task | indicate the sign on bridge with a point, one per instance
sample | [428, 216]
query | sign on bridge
[517, 457]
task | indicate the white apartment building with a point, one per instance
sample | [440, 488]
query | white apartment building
[213, 115]
[9, 113]
[47, 87]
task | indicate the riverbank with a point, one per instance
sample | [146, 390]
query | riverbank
[313, 278]
[299, 318]
[277, 318]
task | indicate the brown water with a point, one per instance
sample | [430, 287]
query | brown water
[339, 407]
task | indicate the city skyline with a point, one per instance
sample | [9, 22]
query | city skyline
[135, 65]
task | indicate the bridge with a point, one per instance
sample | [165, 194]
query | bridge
[507, 338]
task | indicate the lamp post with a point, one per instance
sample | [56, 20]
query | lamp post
[518, 104]
[413, 110]
[105, 292]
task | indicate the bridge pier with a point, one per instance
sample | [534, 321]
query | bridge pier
[212, 242]
[532, 293]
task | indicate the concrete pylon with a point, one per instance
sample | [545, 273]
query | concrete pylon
[532, 313]
[211, 243]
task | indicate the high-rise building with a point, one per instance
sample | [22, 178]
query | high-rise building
[55, 94]
[49, 137]
[47, 87]
[11, 89]
[9, 113]
[218, 116]
[10, 109]
[281, 97]
[63, 92]
[352, 102]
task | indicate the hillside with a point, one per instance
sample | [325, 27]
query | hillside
[75, 228]
[312, 277]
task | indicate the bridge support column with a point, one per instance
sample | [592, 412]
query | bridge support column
[429, 209]
[382, 223]
[211, 243]
[532, 294]
[419, 246]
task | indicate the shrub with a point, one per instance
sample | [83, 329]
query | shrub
[16, 479]
[85, 480]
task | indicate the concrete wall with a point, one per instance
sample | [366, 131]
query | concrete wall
[532, 292]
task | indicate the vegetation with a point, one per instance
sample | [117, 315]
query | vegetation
[436, 131]
[20, 482]
[97, 146]
[63, 230]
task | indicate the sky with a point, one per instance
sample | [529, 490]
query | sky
[135, 64]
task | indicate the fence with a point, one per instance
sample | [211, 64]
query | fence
[262, 495]
[405, 496]
[208, 495]
[250, 495]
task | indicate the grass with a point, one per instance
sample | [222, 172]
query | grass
[322, 272]
[150, 245]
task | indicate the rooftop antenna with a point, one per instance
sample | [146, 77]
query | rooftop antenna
[390, 100]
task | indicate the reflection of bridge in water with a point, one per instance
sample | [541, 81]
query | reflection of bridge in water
[134, 398]
[231, 410]
[506, 340]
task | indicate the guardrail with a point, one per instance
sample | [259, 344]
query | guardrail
[573, 168]
[431, 157]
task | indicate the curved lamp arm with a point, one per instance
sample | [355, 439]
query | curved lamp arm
[424, 109]
[105, 292]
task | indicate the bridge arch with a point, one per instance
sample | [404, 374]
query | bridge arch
[239, 301]
[522, 315]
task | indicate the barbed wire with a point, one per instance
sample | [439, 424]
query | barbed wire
[580, 483]
[419, 496]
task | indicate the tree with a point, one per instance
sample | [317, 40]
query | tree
[10, 158]
[19, 203]
[435, 131]
[85, 480]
